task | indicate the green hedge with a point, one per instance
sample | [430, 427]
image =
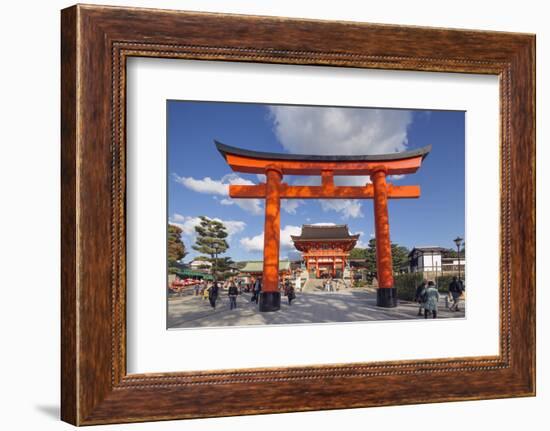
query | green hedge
[406, 285]
[443, 282]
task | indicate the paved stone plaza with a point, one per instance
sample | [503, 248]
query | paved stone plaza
[352, 305]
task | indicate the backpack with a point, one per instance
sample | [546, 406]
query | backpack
[424, 295]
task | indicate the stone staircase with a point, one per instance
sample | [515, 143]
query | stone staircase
[317, 285]
[313, 285]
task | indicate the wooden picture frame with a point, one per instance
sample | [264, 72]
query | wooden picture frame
[95, 43]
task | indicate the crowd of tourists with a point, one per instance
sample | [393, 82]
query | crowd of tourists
[331, 285]
[427, 296]
[211, 290]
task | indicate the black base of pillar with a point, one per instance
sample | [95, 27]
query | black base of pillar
[270, 301]
[386, 297]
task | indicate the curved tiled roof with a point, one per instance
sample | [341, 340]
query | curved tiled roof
[258, 266]
[324, 232]
[227, 149]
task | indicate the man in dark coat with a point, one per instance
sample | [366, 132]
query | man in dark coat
[286, 287]
[291, 294]
[257, 290]
[455, 289]
[213, 294]
[232, 292]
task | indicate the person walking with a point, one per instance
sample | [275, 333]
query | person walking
[206, 291]
[455, 289]
[286, 287]
[298, 284]
[232, 292]
[291, 294]
[432, 297]
[240, 285]
[420, 297]
[213, 294]
[251, 289]
[257, 290]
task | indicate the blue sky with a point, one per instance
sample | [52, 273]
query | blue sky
[198, 177]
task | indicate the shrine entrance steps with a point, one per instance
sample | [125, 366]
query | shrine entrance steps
[318, 285]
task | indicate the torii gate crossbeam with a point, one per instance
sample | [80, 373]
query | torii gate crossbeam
[274, 166]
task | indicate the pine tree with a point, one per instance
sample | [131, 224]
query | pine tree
[211, 240]
[370, 257]
[400, 257]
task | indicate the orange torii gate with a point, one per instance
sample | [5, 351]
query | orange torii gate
[275, 165]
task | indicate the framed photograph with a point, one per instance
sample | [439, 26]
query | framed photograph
[266, 215]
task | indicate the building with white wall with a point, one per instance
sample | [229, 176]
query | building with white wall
[430, 259]
[425, 259]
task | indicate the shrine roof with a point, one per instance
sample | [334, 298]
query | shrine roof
[324, 232]
[227, 149]
[427, 249]
[257, 266]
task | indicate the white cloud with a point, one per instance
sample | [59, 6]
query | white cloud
[221, 187]
[233, 226]
[360, 243]
[188, 223]
[350, 180]
[205, 185]
[323, 224]
[291, 205]
[345, 131]
[235, 179]
[286, 232]
[185, 223]
[348, 208]
[256, 243]
[253, 206]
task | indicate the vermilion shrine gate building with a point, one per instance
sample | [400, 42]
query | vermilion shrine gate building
[325, 248]
[274, 166]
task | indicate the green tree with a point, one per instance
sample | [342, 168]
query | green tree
[449, 252]
[211, 240]
[371, 258]
[358, 253]
[224, 266]
[176, 247]
[400, 257]
[369, 254]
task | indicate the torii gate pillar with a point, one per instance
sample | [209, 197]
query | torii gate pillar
[386, 293]
[270, 297]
